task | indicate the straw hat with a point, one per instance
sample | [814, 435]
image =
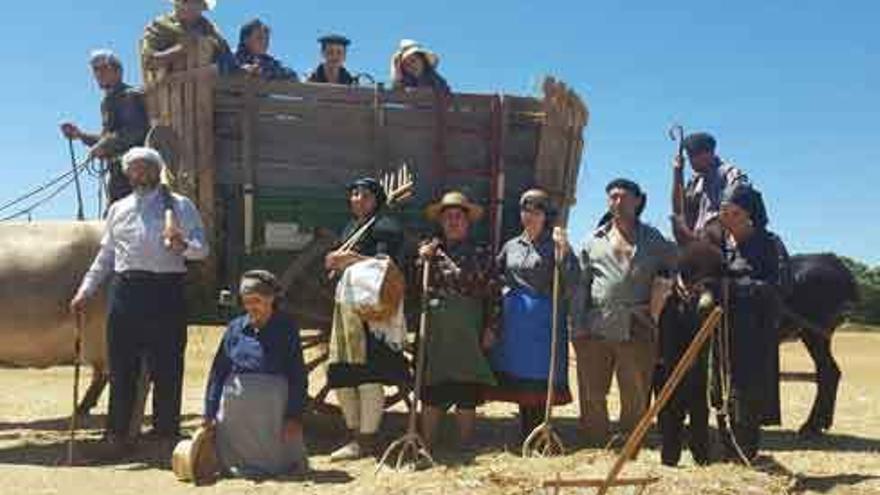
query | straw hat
[195, 460]
[411, 47]
[454, 199]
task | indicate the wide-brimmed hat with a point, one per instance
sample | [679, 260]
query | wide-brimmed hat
[195, 460]
[411, 47]
[454, 199]
[209, 4]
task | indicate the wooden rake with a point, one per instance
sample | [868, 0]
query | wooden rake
[411, 448]
[543, 441]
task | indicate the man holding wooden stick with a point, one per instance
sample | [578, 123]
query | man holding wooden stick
[145, 255]
[124, 121]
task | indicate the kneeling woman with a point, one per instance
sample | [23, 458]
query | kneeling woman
[257, 387]
[521, 357]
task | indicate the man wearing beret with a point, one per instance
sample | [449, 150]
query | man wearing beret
[124, 121]
[334, 49]
[145, 260]
[697, 217]
[614, 332]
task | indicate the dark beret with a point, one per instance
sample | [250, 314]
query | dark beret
[334, 39]
[699, 141]
[371, 185]
[632, 187]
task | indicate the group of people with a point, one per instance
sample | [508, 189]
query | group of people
[490, 315]
[164, 48]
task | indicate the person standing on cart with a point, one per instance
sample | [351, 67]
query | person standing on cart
[124, 122]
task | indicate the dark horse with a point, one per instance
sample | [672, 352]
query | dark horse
[823, 288]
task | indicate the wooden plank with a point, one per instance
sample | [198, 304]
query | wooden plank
[204, 133]
[248, 178]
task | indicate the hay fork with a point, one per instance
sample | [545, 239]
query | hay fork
[411, 447]
[543, 441]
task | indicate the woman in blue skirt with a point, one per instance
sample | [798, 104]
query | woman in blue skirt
[520, 357]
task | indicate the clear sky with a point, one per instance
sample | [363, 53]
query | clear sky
[791, 88]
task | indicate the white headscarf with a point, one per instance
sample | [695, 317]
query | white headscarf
[147, 155]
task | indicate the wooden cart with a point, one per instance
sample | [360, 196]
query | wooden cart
[266, 163]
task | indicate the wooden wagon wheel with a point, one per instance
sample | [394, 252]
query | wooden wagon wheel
[310, 297]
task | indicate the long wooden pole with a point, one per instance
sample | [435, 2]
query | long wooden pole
[77, 355]
[684, 364]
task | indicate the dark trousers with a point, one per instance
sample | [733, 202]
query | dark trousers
[147, 321]
[678, 325]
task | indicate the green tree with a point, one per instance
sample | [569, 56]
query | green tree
[867, 309]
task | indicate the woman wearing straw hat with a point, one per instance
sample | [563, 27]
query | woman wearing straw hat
[521, 356]
[461, 315]
[252, 54]
[256, 390]
[415, 66]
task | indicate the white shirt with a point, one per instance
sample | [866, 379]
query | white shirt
[133, 238]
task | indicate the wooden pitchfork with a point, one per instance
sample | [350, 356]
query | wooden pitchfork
[411, 447]
[543, 441]
[77, 356]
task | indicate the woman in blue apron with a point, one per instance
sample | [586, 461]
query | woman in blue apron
[521, 356]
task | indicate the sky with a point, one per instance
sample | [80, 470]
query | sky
[790, 88]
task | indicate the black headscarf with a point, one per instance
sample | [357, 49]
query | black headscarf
[371, 185]
[538, 199]
[749, 199]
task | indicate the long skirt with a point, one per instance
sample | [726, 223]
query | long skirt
[521, 358]
[249, 428]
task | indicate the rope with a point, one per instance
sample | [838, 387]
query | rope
[38, 190]
[70, 176]
[725, 370]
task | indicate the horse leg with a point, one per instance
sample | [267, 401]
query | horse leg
[93, 393]
[827, 381]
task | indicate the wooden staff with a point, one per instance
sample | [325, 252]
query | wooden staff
[77, 353]
[684, 364]
[676, 133]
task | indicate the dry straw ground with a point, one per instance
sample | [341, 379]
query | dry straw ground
[33, 422]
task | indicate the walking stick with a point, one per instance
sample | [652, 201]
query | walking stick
[543, 441]
[79, 200]
[684, 364]
[676, 133]
[77, 351]
[411, 445]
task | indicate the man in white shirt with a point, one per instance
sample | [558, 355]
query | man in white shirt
[145, 260]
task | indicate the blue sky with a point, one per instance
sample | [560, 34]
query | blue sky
[790, 88]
